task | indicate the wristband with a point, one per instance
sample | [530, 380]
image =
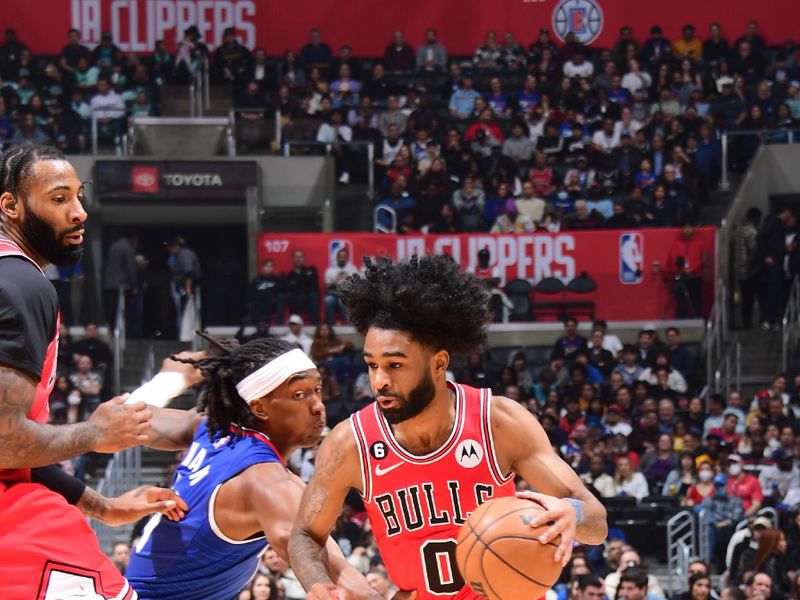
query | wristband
[159, 390]
[578, 508]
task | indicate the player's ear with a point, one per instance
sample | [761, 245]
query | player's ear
[441, 360]
[9, 206]
[260, 409]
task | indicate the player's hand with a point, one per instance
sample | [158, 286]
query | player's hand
[327, 591]
[563, 521]
[117, 426]
[143, 501]
[190, 372]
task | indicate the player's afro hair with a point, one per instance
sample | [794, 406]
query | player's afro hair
[427, 297]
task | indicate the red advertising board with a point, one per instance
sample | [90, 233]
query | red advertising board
[368, 25]
[621, 262]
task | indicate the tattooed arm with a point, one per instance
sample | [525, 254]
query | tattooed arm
[132, 506]
[522, 447]
[25, 443]
[336, 470]
[172, 429]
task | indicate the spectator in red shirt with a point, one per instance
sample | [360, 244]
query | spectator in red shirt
[685, 268]
[704, 488]
[573, 416]
[541, 176]
[727, 433]
[743, 485]
[485, 123]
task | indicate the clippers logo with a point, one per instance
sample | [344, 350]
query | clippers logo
[144, 180]
[583, 18]
[333, 248]
[631, 258]
[469, 454]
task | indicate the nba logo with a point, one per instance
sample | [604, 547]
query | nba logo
[631, 258]
[334, 246]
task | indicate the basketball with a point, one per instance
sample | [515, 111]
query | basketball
[499, 554]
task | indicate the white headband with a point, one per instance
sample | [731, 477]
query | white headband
[271, 375]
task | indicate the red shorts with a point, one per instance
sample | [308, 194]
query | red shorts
[49, 552]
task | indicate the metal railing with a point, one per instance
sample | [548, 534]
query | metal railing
[791, 321]
[199, 91]
[704, 548]
[370, 155]
[123, 473]
[196, 342]
[391, 213]
[782, 135]
[716, 332]
[728, 374]
[119, 340]
[681, 547]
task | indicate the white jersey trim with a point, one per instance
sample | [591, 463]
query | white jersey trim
[215, 528]
[363, 456]
[441, 451]
[491, 455]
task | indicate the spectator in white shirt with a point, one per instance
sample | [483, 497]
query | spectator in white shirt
[636, 79]
[333, 277]
[108, 108]
[628, 481]
[338, 134]
[578, 67]
[296, 335]
[606, 138]
[611, 342]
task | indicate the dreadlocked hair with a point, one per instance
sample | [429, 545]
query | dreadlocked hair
[16, 164]
[228, 364]
[427, 297]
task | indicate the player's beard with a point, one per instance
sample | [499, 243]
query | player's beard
[49, 243]
[417, 401]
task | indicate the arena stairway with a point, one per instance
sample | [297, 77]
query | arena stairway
[762, 355]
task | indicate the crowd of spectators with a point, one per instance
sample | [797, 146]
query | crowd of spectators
[510, 139]
[82, 382]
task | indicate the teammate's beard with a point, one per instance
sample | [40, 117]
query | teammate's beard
[417, 401]
[49, 243]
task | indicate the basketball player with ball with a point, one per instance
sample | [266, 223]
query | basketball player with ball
[428, 452]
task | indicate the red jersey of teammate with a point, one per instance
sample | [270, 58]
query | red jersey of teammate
[40, 409]
[47, 549]
[416, 504]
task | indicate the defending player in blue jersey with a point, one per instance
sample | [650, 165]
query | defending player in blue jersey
[259, 402]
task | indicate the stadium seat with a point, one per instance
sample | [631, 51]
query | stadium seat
[518, 291]
[549, 286]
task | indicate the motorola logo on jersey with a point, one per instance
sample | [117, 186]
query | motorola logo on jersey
[469, 454]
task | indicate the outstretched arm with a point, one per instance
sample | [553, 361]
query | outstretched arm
[25, 443]
[127, 508]
[274, 495]
[336, 471]
[523, 447]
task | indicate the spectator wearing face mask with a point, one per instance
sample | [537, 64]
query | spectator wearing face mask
[743, 485]
[704, 488]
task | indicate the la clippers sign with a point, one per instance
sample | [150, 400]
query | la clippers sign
[620, 262]
[368, 26]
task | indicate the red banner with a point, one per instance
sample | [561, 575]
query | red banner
[368, 25]
[620, 262]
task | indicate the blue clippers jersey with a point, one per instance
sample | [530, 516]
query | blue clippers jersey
[192, 559]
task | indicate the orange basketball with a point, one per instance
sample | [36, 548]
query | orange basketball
[499, 554]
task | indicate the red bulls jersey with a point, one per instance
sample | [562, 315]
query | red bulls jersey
[40, 409]
[417, 504]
